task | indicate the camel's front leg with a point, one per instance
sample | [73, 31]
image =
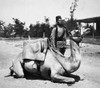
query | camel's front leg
[62, 79]
[76, 77]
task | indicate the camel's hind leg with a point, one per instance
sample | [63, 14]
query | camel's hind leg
[17, 67]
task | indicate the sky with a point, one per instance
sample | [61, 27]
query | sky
[30, 11]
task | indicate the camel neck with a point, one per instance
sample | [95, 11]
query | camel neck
[75, 51]
[72, 63]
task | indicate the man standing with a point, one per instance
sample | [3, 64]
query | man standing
[58, 35]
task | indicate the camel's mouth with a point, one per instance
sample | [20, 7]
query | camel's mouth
[77, 39]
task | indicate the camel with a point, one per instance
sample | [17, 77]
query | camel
[54, 66]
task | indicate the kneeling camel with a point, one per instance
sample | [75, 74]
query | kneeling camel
[53, 65]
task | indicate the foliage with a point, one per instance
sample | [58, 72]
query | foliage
[70, 25]
[40, 30]
[18, 27]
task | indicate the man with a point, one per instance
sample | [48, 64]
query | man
[58, 35]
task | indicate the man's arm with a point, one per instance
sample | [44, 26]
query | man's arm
[65, 34]
[52, 37]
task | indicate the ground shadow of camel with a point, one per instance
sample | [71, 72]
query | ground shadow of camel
[29, 76]
[38, 77]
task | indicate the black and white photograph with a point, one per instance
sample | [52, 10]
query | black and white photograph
[49, 43]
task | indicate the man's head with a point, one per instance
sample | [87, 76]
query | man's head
[59, 20]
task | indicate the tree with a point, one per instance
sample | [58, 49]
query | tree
[18, 27]
[2, 28]
[71, 23]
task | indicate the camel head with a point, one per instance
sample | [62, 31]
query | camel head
[77, 35]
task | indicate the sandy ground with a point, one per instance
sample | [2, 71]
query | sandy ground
[89, 69]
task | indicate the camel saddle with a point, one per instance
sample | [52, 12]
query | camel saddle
[35, 49]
